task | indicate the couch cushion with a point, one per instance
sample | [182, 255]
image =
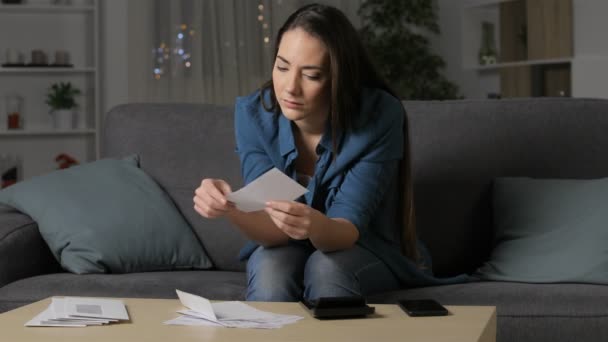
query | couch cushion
[549, 230]
[527, 312]
[210, 284]
[23, 252]
[179, 145]
[460, 147]
[107, 216]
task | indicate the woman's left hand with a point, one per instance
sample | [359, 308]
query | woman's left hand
[295, 219]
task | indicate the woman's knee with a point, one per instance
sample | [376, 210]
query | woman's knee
[326, 276]
[351, 272]
[275, 274]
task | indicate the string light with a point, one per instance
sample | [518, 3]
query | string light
[159, 60]
[179, 51]
[264, 23]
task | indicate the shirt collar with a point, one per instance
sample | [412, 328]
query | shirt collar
[286, 140]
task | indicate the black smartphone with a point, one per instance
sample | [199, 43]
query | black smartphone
[422, 307]
[339, 307]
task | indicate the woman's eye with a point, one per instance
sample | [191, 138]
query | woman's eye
[313, 77]
[281, 68]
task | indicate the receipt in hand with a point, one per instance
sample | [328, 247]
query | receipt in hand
[273, 185]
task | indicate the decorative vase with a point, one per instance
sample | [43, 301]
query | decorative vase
[14, 112]
[64, 119]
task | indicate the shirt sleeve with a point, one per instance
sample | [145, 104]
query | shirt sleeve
[374, 172]
[249, 146]
[362, 192]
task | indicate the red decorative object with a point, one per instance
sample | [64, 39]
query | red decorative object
[65, 161]
[14, 121]
[8, 178]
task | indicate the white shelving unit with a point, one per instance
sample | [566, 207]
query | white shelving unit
[42, 25]
[588, 61]
[535, 56]
[498, 66]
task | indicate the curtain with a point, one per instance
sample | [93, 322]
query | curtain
[206, 51]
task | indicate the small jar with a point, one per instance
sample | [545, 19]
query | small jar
[14, 112]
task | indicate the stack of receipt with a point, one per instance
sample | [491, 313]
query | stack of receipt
[80, 312]
[227, 314]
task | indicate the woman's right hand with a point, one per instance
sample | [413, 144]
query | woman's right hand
[210, 198]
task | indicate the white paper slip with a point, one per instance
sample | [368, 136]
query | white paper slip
[191, 320]
[80, 312]
[111, 309]
[232, 314]
[198, 304]
[58, 309]
[42, 320]
[273, 185]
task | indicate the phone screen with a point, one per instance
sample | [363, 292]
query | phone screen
[422, 307]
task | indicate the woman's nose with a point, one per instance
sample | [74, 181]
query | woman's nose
[292, 84]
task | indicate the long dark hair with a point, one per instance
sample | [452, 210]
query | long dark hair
[351, 70]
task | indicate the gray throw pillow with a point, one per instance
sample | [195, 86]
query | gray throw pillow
[108, 216]
[549, 231]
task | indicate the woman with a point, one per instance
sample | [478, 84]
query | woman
[327, 120]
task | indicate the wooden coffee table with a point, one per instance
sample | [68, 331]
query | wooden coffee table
[465, 323]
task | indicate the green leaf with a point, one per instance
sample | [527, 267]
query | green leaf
[391, 32]
[61, 96]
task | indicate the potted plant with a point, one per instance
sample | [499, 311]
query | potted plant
[397, 36]
[61, 100]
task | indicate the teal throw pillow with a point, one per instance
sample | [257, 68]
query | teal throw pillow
[108, 216]
[549, 231]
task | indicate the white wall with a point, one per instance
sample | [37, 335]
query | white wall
[114, 53]
[590, 66]
[449, 45]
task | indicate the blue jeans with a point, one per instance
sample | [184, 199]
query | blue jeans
[288, 273]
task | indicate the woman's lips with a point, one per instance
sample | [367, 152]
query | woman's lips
[292, 104]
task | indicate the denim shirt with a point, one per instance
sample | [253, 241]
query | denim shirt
[360, 184]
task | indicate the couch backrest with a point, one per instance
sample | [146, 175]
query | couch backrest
[179, 145]
[459, 147]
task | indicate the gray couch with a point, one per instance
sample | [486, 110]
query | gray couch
[458, 148]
